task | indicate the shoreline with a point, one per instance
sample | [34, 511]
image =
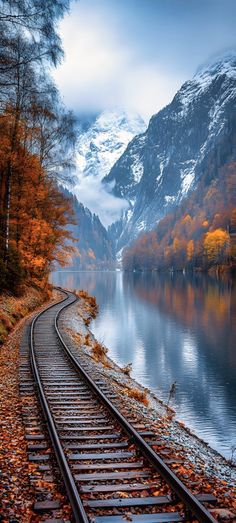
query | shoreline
[195, 461]
[75, 326]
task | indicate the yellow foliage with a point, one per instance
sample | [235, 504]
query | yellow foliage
[176, 244]
[190, 250]
[215, 244]
[39, 213]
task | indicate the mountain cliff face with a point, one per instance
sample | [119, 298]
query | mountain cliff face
[164, 164]
[94, 247]
[101, 142]
[104, 141]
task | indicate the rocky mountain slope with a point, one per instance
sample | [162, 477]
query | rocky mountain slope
[164, 164]
[104, 141]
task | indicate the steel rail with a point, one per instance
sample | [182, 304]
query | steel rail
[71, 488]
[195, 507]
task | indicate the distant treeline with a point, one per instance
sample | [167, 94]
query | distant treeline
[200, 234]
[37, 136]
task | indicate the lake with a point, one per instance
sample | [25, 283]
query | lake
[172, 327]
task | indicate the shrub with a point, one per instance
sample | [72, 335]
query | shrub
[90, 301]
[138, 395]
[99, 352]
[87, 339]
[127, 369]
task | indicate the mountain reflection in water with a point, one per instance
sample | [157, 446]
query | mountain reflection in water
[172, 327]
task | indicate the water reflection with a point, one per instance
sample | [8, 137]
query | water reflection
[173, 328]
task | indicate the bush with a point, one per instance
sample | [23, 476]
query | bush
[127, 369]
[138, 395]
[90, 301]
[99, 352]
[87, 340]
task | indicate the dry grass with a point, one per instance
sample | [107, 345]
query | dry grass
[81, 294]
[13, 308]
[91, 305]
[87, 340]
[75, 335]
[99, 352]
[127, 369]
[169, 416]
[138, 395]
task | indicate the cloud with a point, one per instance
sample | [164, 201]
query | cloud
[100, 71]
[93, 194]
[136, 53]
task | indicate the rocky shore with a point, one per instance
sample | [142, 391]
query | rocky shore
[199, 467]
[197, 461]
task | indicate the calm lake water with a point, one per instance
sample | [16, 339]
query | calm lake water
[172, 328]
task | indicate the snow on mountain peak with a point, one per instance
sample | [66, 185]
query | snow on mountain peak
[105, 141]
[161, 167]
[98, 149]
[223, 63]
[218, 66]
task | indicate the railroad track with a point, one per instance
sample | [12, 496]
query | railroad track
[110, 471]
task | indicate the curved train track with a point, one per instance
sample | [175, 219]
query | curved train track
[110, 471]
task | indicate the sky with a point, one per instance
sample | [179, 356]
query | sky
[136, 54]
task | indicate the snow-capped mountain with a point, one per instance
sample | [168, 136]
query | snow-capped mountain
[162, 165]
[105, 140]
[100, 143]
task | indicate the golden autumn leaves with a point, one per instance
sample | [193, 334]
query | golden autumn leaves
[200, 234]
[39, 212]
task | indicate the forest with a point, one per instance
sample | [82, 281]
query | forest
[199, 234]
[37, 138]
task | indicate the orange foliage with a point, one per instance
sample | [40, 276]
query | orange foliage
[39, 213]
[216, 245]
[190, 250]
[200, 233]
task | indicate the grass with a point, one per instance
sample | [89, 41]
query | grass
[87, 340]
[91, 305]
[127, 369]
[13, 308]
[138, 395]
[75, 335]
[99, 352]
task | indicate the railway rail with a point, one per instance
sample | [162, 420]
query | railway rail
[110, 470]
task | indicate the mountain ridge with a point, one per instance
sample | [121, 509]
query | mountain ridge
[171, 155]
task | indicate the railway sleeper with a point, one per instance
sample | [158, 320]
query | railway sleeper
[78, 399]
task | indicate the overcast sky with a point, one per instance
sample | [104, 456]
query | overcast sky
[135, 54]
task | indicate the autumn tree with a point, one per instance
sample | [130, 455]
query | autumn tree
[37, 134]
[199, 234]
[216, 246]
